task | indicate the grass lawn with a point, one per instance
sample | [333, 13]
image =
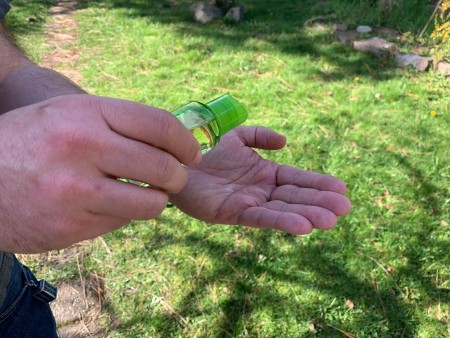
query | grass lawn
[384, 271]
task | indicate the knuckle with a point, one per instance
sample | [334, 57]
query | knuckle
[171, 175]
[165, 167]
[154, 205]
[68, 140]
[167, 125]
[65, 185]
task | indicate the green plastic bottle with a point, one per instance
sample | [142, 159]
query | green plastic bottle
[209, 122]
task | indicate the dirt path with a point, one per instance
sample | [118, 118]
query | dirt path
[62, 37]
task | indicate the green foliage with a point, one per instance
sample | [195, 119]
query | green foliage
[404, 15]
[383, 272]
[441, 33]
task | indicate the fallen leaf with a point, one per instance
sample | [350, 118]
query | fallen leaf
[349, 304]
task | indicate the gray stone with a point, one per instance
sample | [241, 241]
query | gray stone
[346, 37]
[424, 63]
[235, 14]
[204, 12]
[375, 46]
[321, 27]
[340, 27]
[364, 29]
[421, 63]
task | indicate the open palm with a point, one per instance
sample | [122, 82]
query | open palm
[234, 185]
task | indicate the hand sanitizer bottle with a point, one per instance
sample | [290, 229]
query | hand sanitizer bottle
[209, 122]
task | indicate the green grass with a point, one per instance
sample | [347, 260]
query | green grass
[26, 19]
[178, 277]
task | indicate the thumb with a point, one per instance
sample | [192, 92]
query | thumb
[260, 137]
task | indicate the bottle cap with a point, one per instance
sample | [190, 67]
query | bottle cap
[229, 112]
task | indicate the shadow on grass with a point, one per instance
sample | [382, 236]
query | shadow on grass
[387, 312]
[28, 17]
[269, 25]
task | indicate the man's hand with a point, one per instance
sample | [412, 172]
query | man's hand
[59, 160]
[234, 185]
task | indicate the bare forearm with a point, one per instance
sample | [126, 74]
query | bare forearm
[22, 82]
[33, 84]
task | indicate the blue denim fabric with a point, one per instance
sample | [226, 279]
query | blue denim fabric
[22, 315]
[4, 8]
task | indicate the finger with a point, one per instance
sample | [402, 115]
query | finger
[137, 161]
[320, 218]
[309, 179]
[91, 228]
[337, 203]
[150, 125]
[124, 200]
[259, 217]
[261, 138]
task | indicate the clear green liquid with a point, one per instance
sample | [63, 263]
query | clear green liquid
[205, 137]
[201, 124]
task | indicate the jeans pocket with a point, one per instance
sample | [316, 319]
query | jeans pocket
[26, 316]
[15, 291]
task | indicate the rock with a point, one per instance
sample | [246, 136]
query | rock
[421, 63]
[321, 27]
[346, 37]
[375, 46]
[204, 12]
[364, 29]
[444, 68]
[388, 31]
[235, 14]
[405, 60]
[340, 27]
[424, 63]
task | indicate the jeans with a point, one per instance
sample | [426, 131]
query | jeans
[22, 315]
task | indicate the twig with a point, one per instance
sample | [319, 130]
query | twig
[345, 333]
[386, 272]
[377, 289]
[99, 288]
[85, 327]
[108, 250]
[83, 284]
[169, 308]
[431, 18]
[379, 264]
